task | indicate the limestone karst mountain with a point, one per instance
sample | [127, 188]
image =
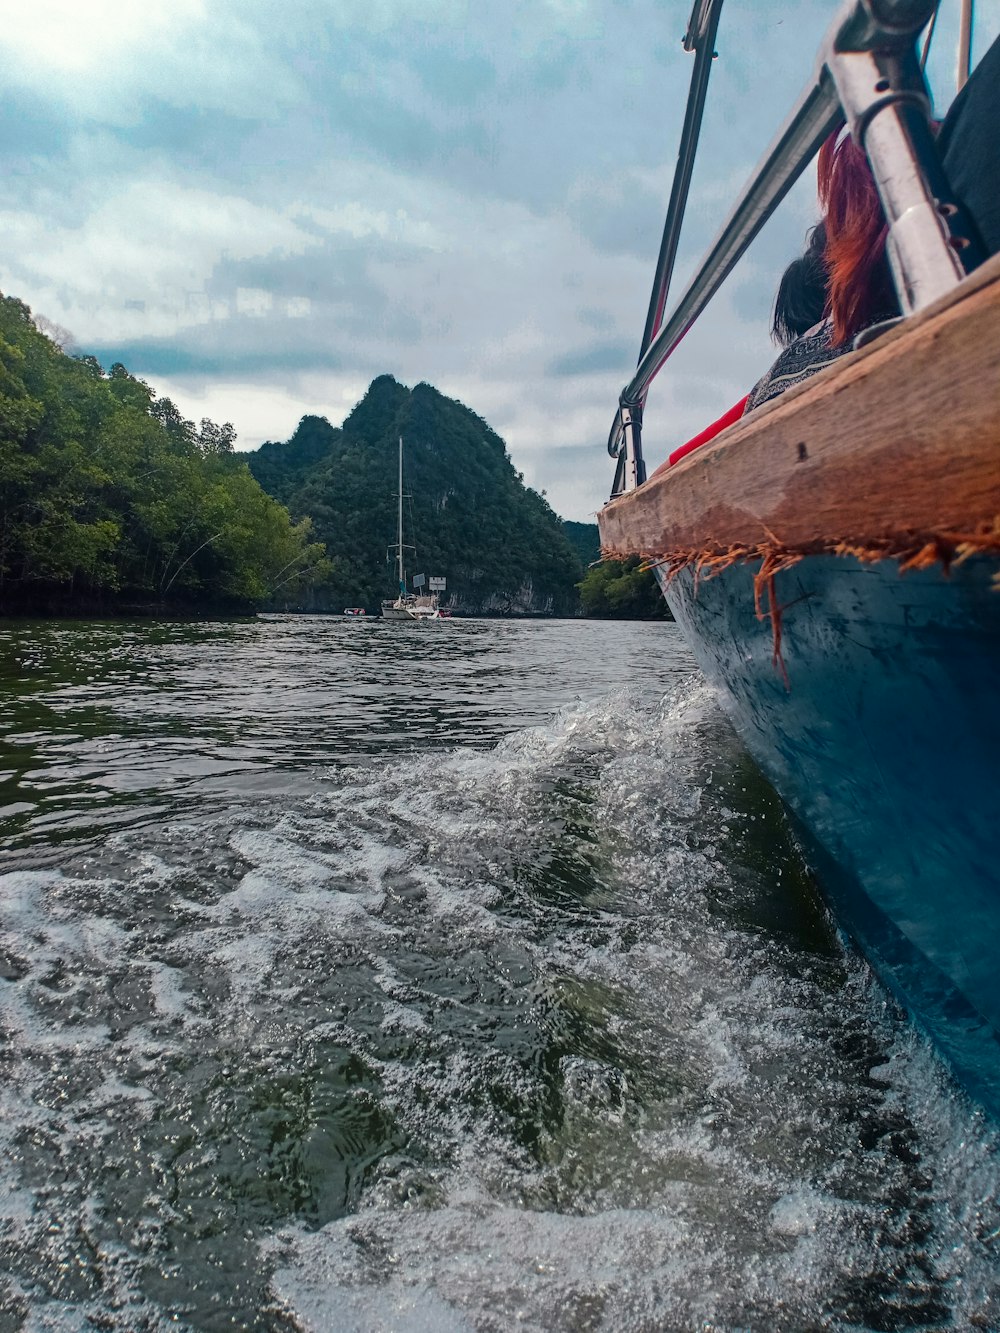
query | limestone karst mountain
[468, 513]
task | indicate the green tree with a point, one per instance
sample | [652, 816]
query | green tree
[467, 512]
[108, 495]
[623, 590]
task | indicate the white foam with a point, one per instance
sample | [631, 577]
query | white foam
[617, 1107]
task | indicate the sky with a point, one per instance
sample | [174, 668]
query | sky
[258, 208]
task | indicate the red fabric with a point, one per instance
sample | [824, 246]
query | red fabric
[709, 433]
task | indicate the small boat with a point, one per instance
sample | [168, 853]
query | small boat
[354, 611]
[833, 557]
[408, 606]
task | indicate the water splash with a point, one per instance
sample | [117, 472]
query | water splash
[553, 1033]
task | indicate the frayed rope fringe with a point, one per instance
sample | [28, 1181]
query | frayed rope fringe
[911, 551]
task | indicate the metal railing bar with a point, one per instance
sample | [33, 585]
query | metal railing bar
[964, 45]
[928, 38]
[816, 114]
[867, 73]
[701, 39]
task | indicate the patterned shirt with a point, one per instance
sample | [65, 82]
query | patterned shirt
[802, 358]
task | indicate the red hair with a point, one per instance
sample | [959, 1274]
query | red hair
[859, 286]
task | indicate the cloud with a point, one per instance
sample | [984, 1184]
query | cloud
[106, 61]
[585, 360]
[262, 208]
[262, 411]
[67, 37]
[140, 260]
[599, 211]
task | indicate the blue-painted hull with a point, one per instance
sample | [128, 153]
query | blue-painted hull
[885, 745]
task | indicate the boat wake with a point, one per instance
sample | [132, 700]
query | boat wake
[554, 1034]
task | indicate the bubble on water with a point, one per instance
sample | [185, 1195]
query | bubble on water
[474, 1040]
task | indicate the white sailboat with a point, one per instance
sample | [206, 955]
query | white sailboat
[407, 605]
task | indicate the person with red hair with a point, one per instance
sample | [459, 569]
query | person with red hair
[858, 286]
[852, 269]
[842, 284]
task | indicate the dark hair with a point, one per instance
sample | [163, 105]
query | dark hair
[860, 282]
[801, 299]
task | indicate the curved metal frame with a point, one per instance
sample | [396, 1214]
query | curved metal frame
[699, 38]
[867, 73]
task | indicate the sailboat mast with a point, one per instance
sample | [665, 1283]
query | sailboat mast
[399, 523]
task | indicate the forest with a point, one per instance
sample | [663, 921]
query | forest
[468, 518]
[110, 500]
[622, 590]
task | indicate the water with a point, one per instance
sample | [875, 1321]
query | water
[449, 977]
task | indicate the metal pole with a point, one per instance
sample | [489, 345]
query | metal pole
[786, 159]
[868, 66]
[930, 245]
[928, 39]
[701, 39]
[964, 44]
[399, 524]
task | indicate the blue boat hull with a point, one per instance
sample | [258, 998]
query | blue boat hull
[885, 744]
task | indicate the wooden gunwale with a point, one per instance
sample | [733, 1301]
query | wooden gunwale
[892, 451]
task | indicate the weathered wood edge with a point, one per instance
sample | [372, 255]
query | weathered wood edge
[893, 451]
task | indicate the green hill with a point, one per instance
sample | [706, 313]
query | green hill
[467, 512]
[585, 538]
[110, 500]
